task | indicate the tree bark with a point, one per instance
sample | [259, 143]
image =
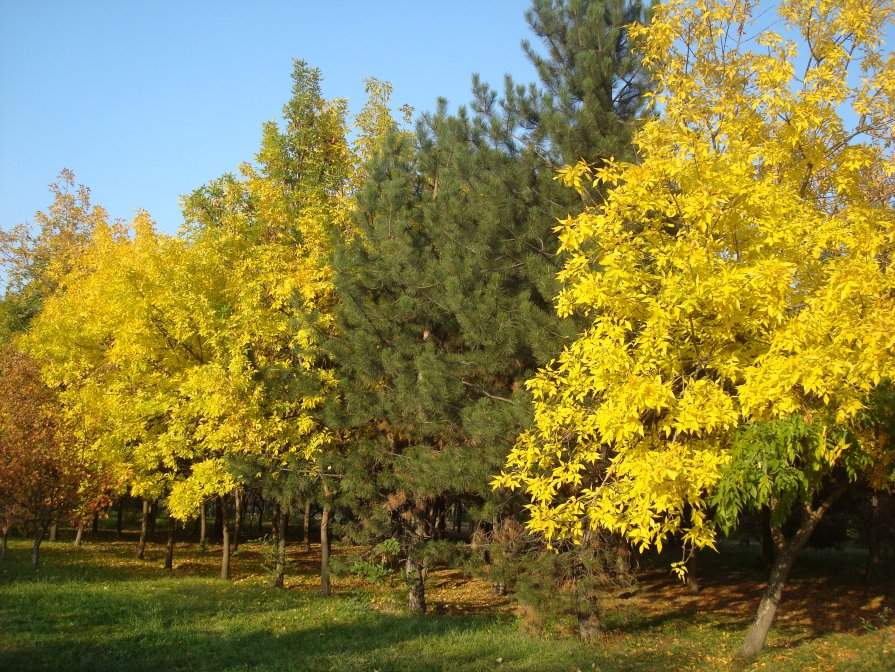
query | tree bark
[413, 571]
[54, 532]
[280, 571]
[95, 527]
[260, 515]
[79, 535]
[416, 589]
[325, 586]
[307, 524]
[225, 537]
[153, 516]
[203, 525]
[218, 521]
[3, 545]
[169, 548]
[787, 550]
[35, 554]
[237, 516]
[144, 526]
[693, 573]
[768, 550]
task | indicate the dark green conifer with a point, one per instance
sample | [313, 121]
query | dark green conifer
[446, 293]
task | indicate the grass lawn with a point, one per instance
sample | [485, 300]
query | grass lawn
[99, 608]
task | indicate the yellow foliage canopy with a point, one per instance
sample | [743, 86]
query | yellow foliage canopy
[741, 271]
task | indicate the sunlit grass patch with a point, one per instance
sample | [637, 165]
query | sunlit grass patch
[98, 608]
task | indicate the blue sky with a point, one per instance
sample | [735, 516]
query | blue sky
[146, 101]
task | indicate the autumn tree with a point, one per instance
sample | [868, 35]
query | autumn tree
[738, 289]
[272, 227]
[37, 258]
[41, 466]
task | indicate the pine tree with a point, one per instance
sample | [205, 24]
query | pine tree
[445, 295]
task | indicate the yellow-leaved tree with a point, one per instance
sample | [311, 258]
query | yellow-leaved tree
[739, 285]
[272, 229]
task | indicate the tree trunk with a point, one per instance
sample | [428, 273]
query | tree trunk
[416, 587]
[169, 548]
[95, 526]
[35, 554]
[218, 521]
[54, 532]
[119, 523]
[325, 586]
[237, 517]
[693, 573]
[787, 550]
[225, 537]
[458, 517]
[153, 514]
[79, 535]
[144, 526]
[589, 627]
[768, 550]
[280, 572]
[203, 525]
[3, 545]
[873, 542]
[260, 515]
[413, 571]
[307, 524]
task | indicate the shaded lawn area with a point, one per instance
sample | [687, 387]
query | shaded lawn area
[98, 608]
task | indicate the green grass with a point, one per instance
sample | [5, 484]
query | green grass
[98, 608]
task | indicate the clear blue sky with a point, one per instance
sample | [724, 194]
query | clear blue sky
[147, 100]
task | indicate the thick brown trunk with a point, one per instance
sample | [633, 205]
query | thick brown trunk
[325, 586]
[416, 587]
[203, 525]
[169, 548]
[35, 554]
[237, 517]
[79, 535]
[54, 532]
[144, 526]
[280, 571]
[589, 626]
[307, 524]
[787, 550]
[225, 537]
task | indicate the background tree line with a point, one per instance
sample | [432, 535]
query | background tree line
[363, 321]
